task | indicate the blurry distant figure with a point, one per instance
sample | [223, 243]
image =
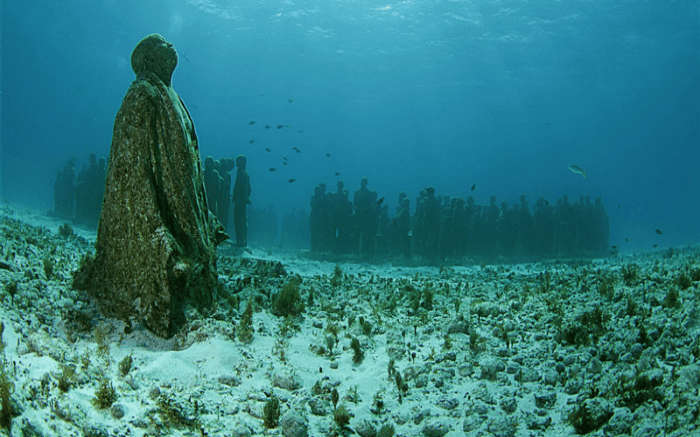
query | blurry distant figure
[241, 199]
[341, 219]
[315, 218]
[217, 184]
[226, 165]
[365, 203]
[212, 182]
[262, 229]
[64, 192]
[81, 200]
[320, 219]
[294, 232]
[89, 191]
[402, 224]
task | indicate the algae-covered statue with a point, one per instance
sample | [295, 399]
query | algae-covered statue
[156, 240]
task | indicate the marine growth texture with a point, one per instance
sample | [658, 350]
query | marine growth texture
[156, 240]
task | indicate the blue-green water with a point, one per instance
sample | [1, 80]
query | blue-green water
[501, 94]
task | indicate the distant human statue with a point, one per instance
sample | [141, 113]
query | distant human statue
[156, 241]
[241, 199]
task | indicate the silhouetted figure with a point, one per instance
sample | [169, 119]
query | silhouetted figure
[217, 183]
[262, 228]
[342, 218]
[365, 203]
[315, 217]
[82, 194]
[432, 225]
[212, 184]
[241, 200]
[403, 225]
[226, 165]
[64, 192]
[294, 233]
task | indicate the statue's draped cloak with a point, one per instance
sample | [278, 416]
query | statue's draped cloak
[155, 246]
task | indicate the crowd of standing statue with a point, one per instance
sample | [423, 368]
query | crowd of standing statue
[217, 183]
[79, 197]
[445, 227]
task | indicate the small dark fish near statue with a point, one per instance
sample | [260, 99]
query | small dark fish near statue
[292, 180]
[271, 169]
[659, 232]
[473, 187]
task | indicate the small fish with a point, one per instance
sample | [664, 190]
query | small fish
[251, 122]
[292, 180]
[251, 141]
[296, 149]
[284, 163]
[337, 173]
[284, 158]
[328, 155]
[473, 187]
[655, 245]
[290, 100]
[575, 169]
[280, 126]
[627, 240]
[267, 126]
[380, 201]
[659, 232]
[271, 169]
[267, 149]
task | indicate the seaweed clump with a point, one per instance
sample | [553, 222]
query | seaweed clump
[66, 230]
[288, 301]
[342, 416]
[105, 395]
[630, 274]
[245, 327]
[587, 327]
[271, 413]
[590, 415]
[6, 389]
[337, 278]
[358, 354]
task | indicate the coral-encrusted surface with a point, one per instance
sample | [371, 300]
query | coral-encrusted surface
[155, 246]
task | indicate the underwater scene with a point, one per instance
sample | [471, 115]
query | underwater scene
[363, 218]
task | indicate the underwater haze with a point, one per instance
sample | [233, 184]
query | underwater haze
[503, 94]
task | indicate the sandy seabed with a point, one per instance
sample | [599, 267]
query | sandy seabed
[603, 347]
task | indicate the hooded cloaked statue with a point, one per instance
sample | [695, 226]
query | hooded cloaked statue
[156, 240]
